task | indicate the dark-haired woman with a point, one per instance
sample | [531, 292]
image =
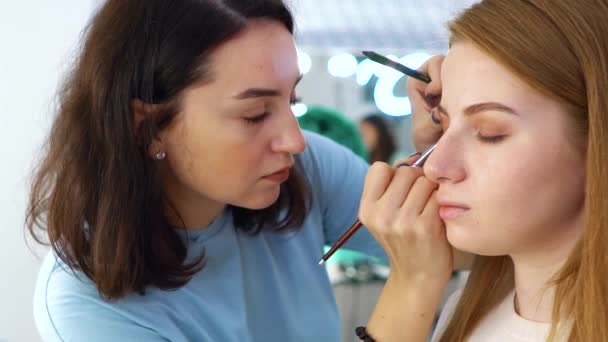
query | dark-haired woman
[179, 196]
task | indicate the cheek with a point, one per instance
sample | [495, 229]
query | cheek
[217, 162]
[529, 200]
[211, 159]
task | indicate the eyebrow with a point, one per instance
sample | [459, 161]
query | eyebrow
[262, 92]
[482, 107]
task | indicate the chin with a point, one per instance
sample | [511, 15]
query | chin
[477, 244]
[262, 200]
[478, 247]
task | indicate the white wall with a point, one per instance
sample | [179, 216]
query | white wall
[36, 41]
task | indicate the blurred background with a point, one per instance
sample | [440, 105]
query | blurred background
[343, 96]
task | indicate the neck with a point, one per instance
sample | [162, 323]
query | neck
[535, 270]
[533, 292]
[193, 214]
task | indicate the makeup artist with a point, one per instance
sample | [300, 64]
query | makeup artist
[518, 178]
[179, 196]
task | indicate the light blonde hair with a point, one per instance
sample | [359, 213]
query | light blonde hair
[560, 48]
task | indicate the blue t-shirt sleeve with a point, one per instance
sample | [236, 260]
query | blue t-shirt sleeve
[65, 311]
[337, 176]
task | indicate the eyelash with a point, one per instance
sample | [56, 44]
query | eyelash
[256, 119]
[259, 118]
[491, 139]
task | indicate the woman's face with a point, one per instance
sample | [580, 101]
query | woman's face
[233, 140]
[511, 179]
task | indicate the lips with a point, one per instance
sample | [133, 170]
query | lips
[279, 176]
[451, 210]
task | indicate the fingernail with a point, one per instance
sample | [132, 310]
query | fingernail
[434, 118]
[432, 99]
[414, 154]
[403, 164]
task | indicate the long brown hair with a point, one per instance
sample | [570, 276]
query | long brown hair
[559, 47]
[96, 196]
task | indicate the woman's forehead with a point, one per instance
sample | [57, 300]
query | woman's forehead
[265, 48]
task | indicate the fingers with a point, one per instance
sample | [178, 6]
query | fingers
[430, 93]
[418, 196]
[400, 187]
[394, 197]
[431, 209]
[424, 98]
[385, 190]
[431, 214]
[377, 180]
[400, 210]
[433, 69]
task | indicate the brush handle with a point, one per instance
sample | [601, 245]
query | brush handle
[352, 230]
[378, 58]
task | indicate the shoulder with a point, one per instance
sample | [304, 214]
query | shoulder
[318, 146]
[68, 307]
[325, 159]
[58, 292]
[55, 279]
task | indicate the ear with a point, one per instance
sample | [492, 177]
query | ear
[141, 111]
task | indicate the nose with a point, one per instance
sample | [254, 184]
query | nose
[289, 135]
[446, 164]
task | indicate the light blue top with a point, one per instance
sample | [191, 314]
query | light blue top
[267, 288]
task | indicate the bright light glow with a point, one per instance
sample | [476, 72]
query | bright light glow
[415, 60]
[342, 65]
[299, 109]
[365, 71]
[384, 92]
[386, 100]
[304, 61]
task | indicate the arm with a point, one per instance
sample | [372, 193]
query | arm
[400, 209]
[405, 311]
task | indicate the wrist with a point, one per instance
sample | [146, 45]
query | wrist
[405, 302]
[425, 286]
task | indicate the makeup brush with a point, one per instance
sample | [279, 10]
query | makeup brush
[397, 66]
[353, 229]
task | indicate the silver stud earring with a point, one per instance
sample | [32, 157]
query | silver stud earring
[160, 155]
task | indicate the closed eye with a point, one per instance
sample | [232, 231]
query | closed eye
[492, 139]
[257, 119]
